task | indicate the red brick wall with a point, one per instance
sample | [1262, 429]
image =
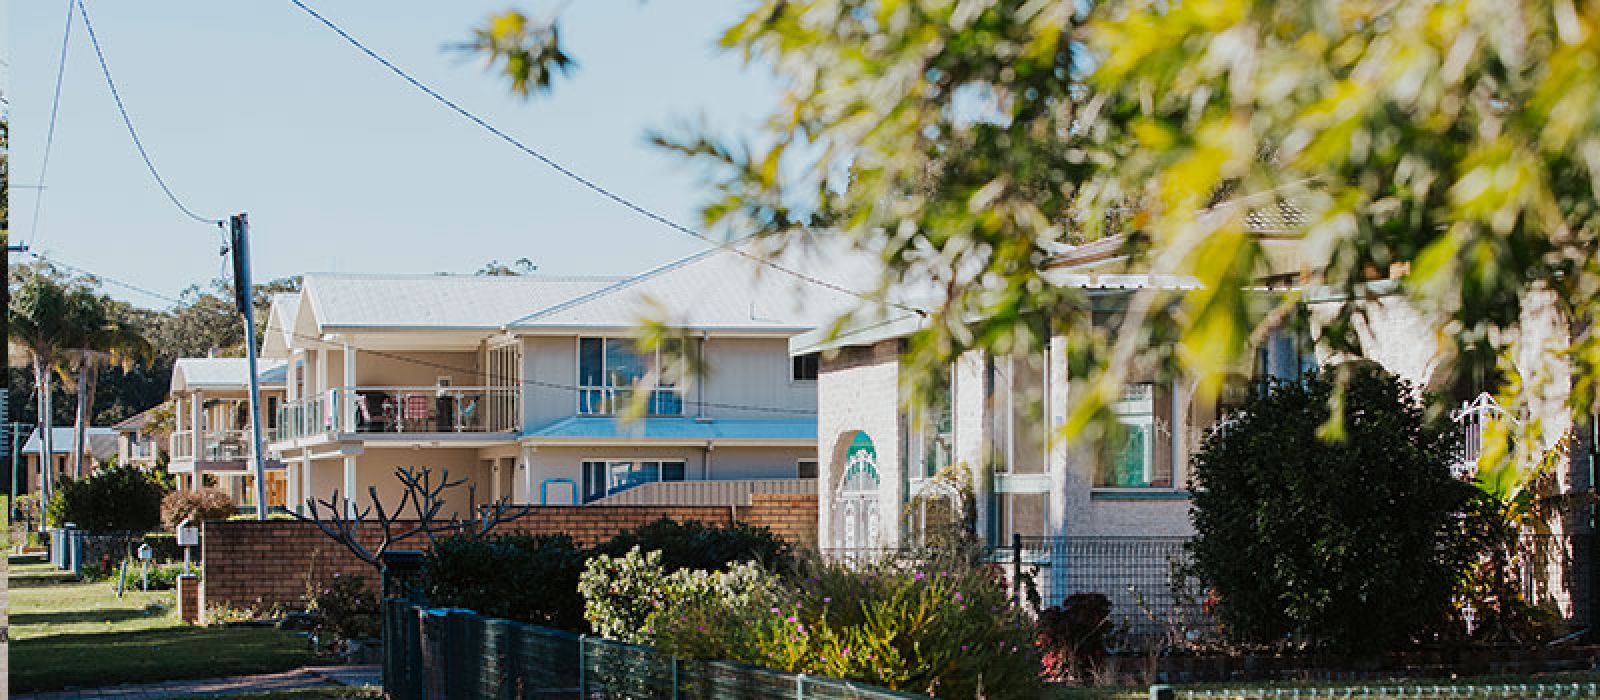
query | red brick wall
[255, 564]
[792, 517]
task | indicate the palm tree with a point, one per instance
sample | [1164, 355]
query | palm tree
[95, 337]
[37, 318]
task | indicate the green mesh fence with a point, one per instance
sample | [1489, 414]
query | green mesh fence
[435, 653]
[1514, 691]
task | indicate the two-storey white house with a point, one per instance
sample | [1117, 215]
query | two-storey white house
[518, 384]
[211, 442]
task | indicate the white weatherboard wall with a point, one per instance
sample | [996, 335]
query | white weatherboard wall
[548, 363]
[743, 377]
[754, 373]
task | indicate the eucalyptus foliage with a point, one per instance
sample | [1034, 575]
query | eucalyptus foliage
[967, 140]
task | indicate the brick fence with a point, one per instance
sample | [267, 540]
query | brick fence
[259, 565]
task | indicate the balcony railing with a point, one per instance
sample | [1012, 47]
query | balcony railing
[403, 409]
[182, 444]
[215, 445]
[144, 449]
[607, 400]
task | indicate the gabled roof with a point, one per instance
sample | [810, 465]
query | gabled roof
[723, 289]
[465, 302]
[136, 421]
[100, 441]
[1267, 220]
[224, 373]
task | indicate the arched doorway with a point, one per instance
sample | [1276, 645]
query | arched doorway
[856, 508]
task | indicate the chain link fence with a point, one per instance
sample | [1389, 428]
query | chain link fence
[435, 653]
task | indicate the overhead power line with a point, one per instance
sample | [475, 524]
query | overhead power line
[587, 183]
[128, 121]
[50, 131]
[687, 401]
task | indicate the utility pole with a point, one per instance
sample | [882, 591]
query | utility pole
[244, 296]
[5, 358]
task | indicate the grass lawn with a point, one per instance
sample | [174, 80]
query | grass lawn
[67, 634]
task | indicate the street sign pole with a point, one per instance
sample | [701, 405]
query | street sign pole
[244, 296]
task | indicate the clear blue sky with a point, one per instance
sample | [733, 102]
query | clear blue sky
[251, 106]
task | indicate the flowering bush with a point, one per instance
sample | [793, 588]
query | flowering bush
[201, 505]
[946, 628]
[629, 597]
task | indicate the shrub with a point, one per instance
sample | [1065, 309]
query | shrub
[120, 499]
[695, 545]
[27, 506]
[1354, 545]
[1073, 635]
[945, 627]
[345, 609]
[199, 506]
[518, 577]
[627, 598]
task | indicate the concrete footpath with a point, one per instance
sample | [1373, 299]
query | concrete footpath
[301, 678]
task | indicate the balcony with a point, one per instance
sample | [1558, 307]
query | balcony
[215, 446]
[401, 410]
[142, 450]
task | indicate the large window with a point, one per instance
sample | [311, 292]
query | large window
[602, 478]
[1021, 433]
[1137, 451]
[930, 434]
[610, 370]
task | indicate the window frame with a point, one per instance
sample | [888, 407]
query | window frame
[795, 364]
[1173, 432]
[608, 394]
[800, 473]
[605, 463]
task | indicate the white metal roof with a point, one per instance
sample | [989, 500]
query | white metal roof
[224, 373]
[376, 302]
[102, 442]
[724, 290]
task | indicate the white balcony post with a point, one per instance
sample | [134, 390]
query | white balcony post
[350, 485]
[315, 423]
[291, 477]
[194, 429]
[305, 482]
[526, 473]
[347, 404]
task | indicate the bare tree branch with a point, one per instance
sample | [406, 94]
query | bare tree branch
[425, 498]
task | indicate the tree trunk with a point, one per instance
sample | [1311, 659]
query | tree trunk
[78, 427]
[41, 381]
[94, 383]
